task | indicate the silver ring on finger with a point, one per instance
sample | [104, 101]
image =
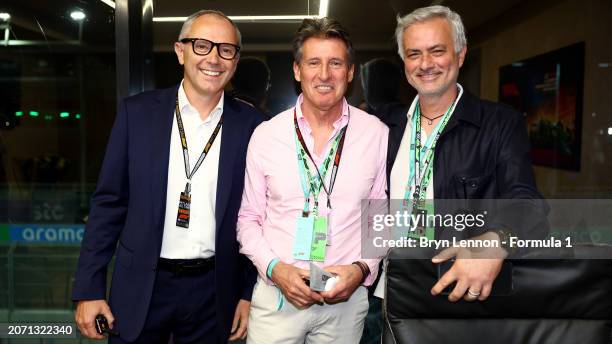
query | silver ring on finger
[473, 294]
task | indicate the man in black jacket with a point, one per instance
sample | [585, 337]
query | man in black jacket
[467, 148]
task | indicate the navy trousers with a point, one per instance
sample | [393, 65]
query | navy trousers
[181, 306]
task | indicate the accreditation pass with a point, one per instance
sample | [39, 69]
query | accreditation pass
[38, 330]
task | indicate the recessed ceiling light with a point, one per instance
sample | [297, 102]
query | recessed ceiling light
[77, 15]
[323, 7]
[109, 3]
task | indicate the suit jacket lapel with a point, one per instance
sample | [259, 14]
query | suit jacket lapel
[231, 136]
[161, 131]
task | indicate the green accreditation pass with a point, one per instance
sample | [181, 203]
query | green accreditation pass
[419, 224]
[312, 235]
[420, 173]
[302, 245]
[319, 239]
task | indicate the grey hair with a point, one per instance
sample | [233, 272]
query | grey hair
[425, 13]
[325, 27]
[189, 21]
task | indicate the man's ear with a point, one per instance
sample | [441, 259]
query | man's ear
[351, 72]
[178, 49]
[462, 55]
[296, 72]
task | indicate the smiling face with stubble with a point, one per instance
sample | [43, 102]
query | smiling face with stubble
[430, 61]
[207, 75]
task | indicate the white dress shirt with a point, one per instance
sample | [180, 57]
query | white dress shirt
[197, 241]
[400, 172]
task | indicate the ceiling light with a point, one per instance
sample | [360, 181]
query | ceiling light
[242, 18]
[77, 15]
[5, 16]
[271, 18]
[323, 7]
[109, 3]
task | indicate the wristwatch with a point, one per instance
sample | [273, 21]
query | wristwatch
[504, 239]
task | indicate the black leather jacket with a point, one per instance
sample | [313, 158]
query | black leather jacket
[483, 153]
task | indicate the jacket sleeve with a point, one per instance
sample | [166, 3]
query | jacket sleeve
[109, 206]
[523, 210]
[250, 272]
[250, 277]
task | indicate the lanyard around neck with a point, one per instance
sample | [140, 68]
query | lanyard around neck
[314, 184]
[421, 175]
[188, 172]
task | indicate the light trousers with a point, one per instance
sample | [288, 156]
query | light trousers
[340, 323]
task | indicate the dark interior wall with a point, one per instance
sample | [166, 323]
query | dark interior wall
[537, 32]
[283, 88]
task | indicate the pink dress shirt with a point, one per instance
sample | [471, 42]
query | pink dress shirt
[273, 196]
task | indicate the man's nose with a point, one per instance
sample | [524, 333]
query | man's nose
[213, 56]
[324, 72]
[426, 62]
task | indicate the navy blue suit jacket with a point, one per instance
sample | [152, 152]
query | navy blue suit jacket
[128, 210]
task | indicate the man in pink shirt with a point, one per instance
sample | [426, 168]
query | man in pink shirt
[289, 219]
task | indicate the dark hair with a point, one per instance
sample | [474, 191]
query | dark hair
[322, 28]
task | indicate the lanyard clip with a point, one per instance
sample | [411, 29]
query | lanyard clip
[188, 187]
[306, 210]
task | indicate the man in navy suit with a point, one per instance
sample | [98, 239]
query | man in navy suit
[167, 201]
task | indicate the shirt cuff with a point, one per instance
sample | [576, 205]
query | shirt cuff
[373, 265]
[262, 260]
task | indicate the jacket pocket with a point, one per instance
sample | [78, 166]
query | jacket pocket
[474, 186]
[124, 256]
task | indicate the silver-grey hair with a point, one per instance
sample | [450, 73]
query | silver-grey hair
[425, 13]
[189, 21]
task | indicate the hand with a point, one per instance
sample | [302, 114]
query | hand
[349, 279]
[474, 270]
[241, 320]
[85, 316]
[291, 282]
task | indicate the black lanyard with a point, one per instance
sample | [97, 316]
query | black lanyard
[181, 130]
[337, 157]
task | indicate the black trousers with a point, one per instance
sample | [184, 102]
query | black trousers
[181, 306]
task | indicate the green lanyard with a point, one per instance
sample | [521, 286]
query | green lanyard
[313, 184]
[422, 176]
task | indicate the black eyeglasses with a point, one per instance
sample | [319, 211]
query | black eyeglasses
[203, 47]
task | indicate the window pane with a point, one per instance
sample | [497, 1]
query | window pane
[57, 85]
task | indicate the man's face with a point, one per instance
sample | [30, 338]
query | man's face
[430, 61]
[324, 72]
[207, 75]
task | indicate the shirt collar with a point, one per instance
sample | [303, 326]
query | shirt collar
[188, 110]
[416, 100]
[339, 123]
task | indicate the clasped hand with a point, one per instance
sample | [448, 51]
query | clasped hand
[291, 281]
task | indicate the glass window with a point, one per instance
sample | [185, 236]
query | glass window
[58, 91]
